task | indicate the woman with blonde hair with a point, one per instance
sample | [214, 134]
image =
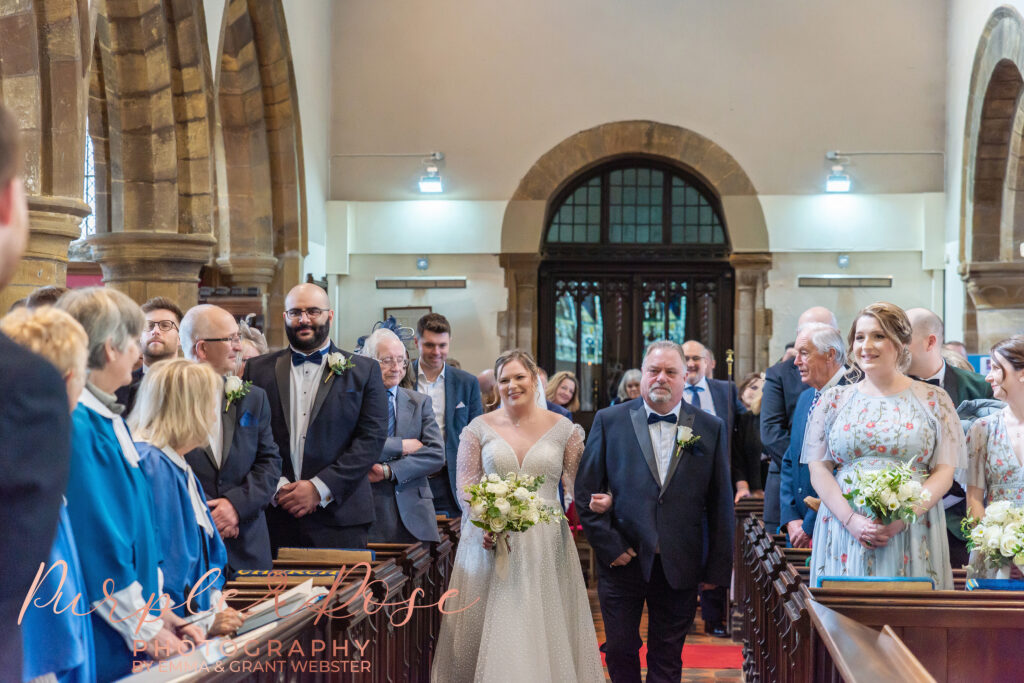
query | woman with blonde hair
[56, 642]
[109, 500]
[887, 418]
[563, 390]
[176, 407]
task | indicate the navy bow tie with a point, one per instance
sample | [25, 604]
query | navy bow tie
[654, 417]
[298, 358]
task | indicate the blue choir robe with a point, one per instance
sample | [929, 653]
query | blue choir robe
[59, 643]
[189, 538]
[111, 512]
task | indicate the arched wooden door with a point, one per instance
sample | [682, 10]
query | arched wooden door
[635, 251]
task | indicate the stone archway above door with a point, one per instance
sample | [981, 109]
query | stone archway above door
[526, 214]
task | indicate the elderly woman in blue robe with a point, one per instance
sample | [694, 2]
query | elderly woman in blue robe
[55, 640]
[108, 498]
[175, 409]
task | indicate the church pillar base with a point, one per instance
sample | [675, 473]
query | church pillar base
[53, 224]
[148, 264]
[997, 291]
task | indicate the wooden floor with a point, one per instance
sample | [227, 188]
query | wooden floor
[696, 636]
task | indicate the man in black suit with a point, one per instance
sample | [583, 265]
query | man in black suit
[719, 398]
[927, 364]
[329, 414]
[782, 387]
[666, 465]
[240, 467]
[159, 342]
[455, 397]
[34, 428]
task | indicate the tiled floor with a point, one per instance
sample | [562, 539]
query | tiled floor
[696, 636]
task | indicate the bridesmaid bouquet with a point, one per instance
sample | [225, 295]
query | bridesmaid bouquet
[503, 505]
[888, 494]
[997, 539]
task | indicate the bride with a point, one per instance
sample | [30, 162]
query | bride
[534, 624]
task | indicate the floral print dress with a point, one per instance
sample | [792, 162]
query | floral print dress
[855, 431]
[992, 465]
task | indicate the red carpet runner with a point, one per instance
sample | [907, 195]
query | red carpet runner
[703, 656]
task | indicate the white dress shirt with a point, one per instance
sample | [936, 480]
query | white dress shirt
[663, 439]
[707, 404]
[217, 439]
[435, 390]
[940, 376]
[305, 382]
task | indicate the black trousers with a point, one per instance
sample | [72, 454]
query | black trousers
[623, 592]
[772, 513]
[444, 501]
[290, 532]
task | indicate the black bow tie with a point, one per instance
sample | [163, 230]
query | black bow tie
[299, 359]
[654, 417]
[933, 381]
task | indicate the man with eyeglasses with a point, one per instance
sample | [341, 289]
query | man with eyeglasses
[329, 415]
[159, 342]
[403, 503]
[240, 467]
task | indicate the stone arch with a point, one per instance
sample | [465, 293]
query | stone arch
[43, 55]
[524, 221]
[992, 185]
[264, 240]
[151, 118]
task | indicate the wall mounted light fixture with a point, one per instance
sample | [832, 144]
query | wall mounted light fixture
[429, 183]
[838, 179]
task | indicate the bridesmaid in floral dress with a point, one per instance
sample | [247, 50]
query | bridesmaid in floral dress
[995, 444]
[887, 418]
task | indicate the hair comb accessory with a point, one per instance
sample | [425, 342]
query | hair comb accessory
[406, 334]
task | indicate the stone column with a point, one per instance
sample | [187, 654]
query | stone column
[751, 321]
[517, 325]
[997, 290]
[148, 264]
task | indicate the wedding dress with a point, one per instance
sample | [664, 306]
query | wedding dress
[535, 624]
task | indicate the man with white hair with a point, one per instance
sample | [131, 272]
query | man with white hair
[402, 501]
[782, 388]
[240, 467]
[928, 365]
[820, 358]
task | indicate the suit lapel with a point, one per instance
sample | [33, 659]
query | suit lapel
[643, 436]
[951, 383]
[228, 420]
[686, 418]
[283, 373]
[449, 396]
[403, 414]
[327, 379]
[719, 399]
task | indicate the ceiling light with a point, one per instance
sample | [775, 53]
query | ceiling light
[837, 181]
[431, 182]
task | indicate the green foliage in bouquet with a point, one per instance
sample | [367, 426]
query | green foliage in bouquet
[509, 503]
[997, 539]
[888, 494]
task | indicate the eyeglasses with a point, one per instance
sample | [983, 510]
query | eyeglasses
[234, 339]
[296, 313]
[399, 362]
[164, 325]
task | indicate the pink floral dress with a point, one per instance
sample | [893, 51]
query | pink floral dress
[855, 431]
[991, 463]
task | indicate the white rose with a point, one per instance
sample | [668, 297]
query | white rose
[521, 494]
[888, 498]
[908, 491]
[683, 434]
[478, 508]
[532, 516]
[497, 524]
[493, 477]
[335, 358]
[997, 512]
[497, 488]
[232, 384]
[1008, 544]
[993, 537]
[514, 513]
[502, 505]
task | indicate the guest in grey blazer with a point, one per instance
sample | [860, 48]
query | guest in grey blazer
[402, 501]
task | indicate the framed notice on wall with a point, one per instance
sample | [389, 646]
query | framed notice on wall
[408, 316]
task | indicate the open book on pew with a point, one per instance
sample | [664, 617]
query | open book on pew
[263, 578]
[877, 583]
[285, 605]
[337, 556]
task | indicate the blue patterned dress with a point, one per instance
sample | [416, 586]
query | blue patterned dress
[855, 431]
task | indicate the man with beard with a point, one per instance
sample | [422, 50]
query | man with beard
[159, 342]
[329, 415]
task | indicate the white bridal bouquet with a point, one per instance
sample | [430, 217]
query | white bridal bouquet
[997, 539]
[888, 494]
[506, 504]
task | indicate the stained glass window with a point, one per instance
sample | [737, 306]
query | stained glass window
[89, 187]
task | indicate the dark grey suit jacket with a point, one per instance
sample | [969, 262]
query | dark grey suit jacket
[414, 419]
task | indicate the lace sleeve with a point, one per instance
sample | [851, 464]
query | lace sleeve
[571, 458]
[468, 466]
[819, 423]
[950, 448]
[977, 451]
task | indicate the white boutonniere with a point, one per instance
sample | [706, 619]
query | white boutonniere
[338, 364]
[685, 437]
[234, 390]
